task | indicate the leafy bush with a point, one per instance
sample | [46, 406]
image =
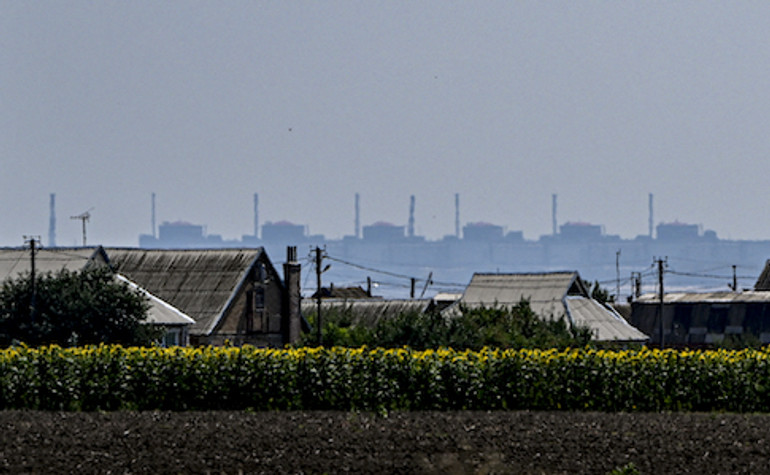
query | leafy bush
[474, 328]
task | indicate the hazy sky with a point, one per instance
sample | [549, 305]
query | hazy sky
[307, 103]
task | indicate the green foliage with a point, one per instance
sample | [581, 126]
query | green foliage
[73, 308]
[598, 293]
[627, 469]
[474, 328]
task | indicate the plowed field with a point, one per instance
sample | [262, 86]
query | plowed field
[408, 442]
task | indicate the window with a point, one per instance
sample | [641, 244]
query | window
[171, 338]
[255, 311]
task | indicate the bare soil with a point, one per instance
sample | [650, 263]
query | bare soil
[400, 442]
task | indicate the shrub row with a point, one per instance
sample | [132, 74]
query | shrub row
[116, 378]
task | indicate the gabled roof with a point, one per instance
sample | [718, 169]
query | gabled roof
[367, 311]
[342, 293]
[16, 261]
[545, 291]
[605, 322]
[199, 282]
[160, 312]
[763, 282]
[550, 295]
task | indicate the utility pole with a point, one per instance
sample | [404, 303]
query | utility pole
[617, 276]
[32, 241]
[735, 279]
[661, 263]
[319, 255]
[636, 284]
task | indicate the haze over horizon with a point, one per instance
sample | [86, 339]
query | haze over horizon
[308, 103]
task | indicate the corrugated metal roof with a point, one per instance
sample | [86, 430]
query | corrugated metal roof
[198, 282]
[367, 311]
[160, 312]
[606, 324]
[16, 261]
[708, 297]
[544, 291]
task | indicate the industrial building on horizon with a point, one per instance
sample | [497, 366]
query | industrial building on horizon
[479, 246]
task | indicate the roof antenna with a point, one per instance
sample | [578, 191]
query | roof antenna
[84, 217]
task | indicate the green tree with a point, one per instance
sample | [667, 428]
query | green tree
[74, 308]
[502, 327]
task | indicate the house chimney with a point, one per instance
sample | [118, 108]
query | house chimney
[291, 272]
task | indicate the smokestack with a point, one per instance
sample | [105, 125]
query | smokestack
[256, 215]
[292, 271]
[358, 217]
[553, 215]
[651, 218]
[410, 229]
[153, 216]
[457, 215]
[52, 222]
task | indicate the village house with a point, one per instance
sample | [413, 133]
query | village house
[550, 295]
[15, 262]
[234, 296]
[199, 296]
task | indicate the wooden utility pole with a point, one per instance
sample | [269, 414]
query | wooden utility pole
[32, 241]
[661, 263]
[735, 279]
[318, 272]
[617, 276]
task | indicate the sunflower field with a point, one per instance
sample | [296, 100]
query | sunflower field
[247, 378]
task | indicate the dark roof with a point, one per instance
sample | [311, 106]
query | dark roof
[199, 282]
[763, 282]
[367, 311]
[342, 293]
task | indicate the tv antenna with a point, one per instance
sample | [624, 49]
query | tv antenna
[84, 217]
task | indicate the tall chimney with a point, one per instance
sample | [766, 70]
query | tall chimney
[256, 215]
[153, 216]
[457, 215]
[358, 217]
[52, 222]
[292, 271]
[553, 215]
[651, 223]
[410, 229]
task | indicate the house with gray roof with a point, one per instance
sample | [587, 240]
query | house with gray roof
[204, 296]
[551, 295]
[234, 296]
[18, 261]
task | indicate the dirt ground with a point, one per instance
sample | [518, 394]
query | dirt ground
[409, 442]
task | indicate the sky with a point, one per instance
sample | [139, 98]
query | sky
[307, 103]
